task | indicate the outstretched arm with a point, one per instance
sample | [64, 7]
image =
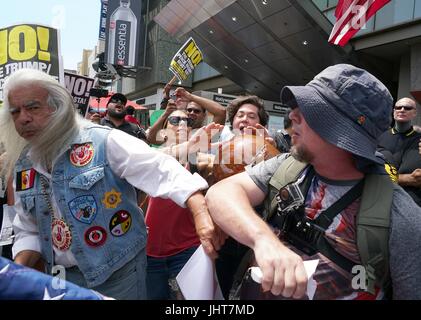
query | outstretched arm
[153, 135]
[213, 107]
[210, 235]
[230, 203]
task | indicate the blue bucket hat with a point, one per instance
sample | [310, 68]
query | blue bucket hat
[347, 106]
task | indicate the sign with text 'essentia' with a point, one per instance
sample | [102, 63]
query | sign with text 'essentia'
[29, 46]
[79, 87]
[123, 30]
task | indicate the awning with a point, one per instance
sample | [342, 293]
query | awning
[93, 102]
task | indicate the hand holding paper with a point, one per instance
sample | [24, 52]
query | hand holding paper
[310, 267]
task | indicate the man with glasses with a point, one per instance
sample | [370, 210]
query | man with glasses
[399, 145]
[197, 108]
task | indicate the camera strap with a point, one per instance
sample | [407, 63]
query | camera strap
[325, 218]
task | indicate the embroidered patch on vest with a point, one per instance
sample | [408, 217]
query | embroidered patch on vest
[95, 236]
[120, 223]
[84, 208]
[25, 179]
[81, 154]
[62, 236]
[111, 199]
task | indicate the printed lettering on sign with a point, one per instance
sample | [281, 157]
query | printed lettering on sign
[29, 46]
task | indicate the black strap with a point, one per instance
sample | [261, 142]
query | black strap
[325, 219]
[305, 185]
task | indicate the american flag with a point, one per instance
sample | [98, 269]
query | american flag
[21, 283]
[351, 16]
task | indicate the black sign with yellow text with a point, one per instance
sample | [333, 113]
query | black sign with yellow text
[29, 46]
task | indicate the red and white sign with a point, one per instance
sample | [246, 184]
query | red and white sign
[351, 16]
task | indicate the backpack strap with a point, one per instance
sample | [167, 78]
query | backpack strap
[288, 172]
[373, 223]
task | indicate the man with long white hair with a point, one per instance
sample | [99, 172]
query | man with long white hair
[75, 189]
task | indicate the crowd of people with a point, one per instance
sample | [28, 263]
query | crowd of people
[123, 218]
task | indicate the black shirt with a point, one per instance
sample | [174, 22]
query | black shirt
[127, 127]
[401, 150]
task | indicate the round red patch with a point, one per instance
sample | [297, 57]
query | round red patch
[81, 154]
[95, 236]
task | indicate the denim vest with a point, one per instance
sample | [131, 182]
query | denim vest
[107, 227]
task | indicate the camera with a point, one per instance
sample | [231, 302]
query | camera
[291, 219]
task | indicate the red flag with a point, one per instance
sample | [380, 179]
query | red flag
[351, 15]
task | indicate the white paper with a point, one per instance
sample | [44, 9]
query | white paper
[6, 232]
[310, 267]
[197, 280]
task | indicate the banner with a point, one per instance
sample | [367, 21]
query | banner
[186, 59]
[123, 32]
[103, 20]
[29, 46]
[351, 16]
[79, 87]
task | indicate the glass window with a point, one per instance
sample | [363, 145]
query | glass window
[332, 3]
[417, 9]
[394, 12]
[331, 15]
[321, 4]
[204, 71]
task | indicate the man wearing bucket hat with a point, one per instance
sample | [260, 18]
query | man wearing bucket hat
[331, 200]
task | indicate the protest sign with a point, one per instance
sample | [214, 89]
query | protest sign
[79, 87]
[186, 59]
[29, 46]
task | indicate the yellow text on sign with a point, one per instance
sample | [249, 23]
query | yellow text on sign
[20, 43]
[193, 53]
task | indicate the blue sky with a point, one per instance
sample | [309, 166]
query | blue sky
[77, 20]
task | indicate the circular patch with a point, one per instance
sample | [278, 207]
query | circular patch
[111, 199]
[83, 208]
[120, 223]
[61, 234]
[81, 154]
[95, 236]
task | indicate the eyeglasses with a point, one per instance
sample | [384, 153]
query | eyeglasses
[175, 121]
[196, 111]
[406, 108]
[117, 101]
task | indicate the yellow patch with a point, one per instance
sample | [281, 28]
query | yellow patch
[393, 173]
[111, 199]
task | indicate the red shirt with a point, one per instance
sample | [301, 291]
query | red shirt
[170, 228]
[130, 118]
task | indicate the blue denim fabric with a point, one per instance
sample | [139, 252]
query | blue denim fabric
[160, 271]
[127, 283]
[90, 181]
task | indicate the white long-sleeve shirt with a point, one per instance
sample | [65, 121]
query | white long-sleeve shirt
[151, 171]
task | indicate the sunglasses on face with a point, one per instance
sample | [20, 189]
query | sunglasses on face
[117, 102]
[406, 108]
[175, 121]
[196, 111]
